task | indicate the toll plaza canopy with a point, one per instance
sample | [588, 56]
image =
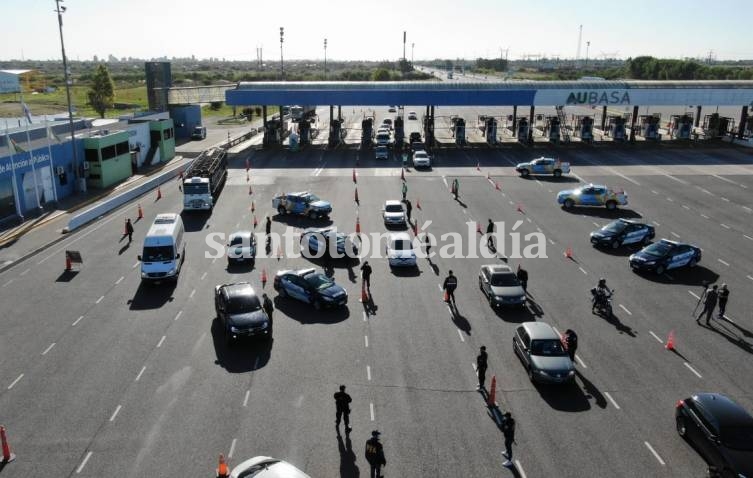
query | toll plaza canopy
[508, 93]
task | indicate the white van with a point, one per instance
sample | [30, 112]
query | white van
[164, 249]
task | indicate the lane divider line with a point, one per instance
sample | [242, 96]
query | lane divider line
[177, 316]
[100, 299]
[674, 234]
[119, 280]
[725, 226]
[138, 377]
[14, 382]
[161, 340]
[83, 463]
[519, 467]
[658, 339]
[48, 348]
[583, 270]
[625, 309]
[461, 335]
[580, 361]
[77, 321]
[9, 282]
[694, 294]
[190, 296]
[692, 370]
[25, 272]
[135, 265]
[656, 455]
[723, 262]
[704, 216]
[232, 448]
[368, 373]
[725, 199]
[606, 394]
[371, 409]
[115, 413]
[366, 340]
[748, 237]
[245, 399]
[203, 276]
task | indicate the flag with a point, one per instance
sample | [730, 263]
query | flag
[50, 134]
[27, 112]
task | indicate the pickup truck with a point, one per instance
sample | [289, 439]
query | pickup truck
[543, 166]
[302, 204]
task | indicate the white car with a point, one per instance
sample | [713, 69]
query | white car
[393, 213]
[382, 152]
[383, 139]
[266, 467]
[400, 251]
[412, 115]
[421, 160]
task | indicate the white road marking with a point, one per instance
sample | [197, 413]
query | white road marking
[656, 455]
[583, 271]
[723, 262]
[232, 448]
[725, 199]
[366, 340]
[368, 373]
[177, 316]
[670, 199]
[550, 241]
[461, 335]
[161, 340]
[439, 286]
[692, 370]
[539, 183]
[203, 276]
[48, 348]
[100, 299]
[140, 373]
[190, 296]
[724, 226]
[655, 223]
[77, 321]
[658, 339]
[465, 212]
[371, 409]
[83, 463]
[704, 216]
[539, 229]
[135, 265]
[14, 382]
[625, 309]
[706, 191]
[748, 209]
[674, 234]
[528, 219]
[519, 467]
[749, 277]
[694, 294]
[654, 192]
[595, 223]
[685, 207]
[580, 361]
[25, 272]
[115, 413]
[237, 224]
[725, 179]
[444, 180]
[214, 260]
[119, 280]
[8, 283]
[245, 399]
[365, 316]
[606, 394]
[511, 203]
[676, 179]
[748, 237]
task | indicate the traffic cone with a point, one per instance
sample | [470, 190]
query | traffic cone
[159, 194]
[248, 165]
[222, 468]
[478, 228]
[520, 208]
[7, 455]
[402, 174]
[478, 166]
[248, 178]
[141, 213]
[256, 223]
[358, 225]
[355, 180]
[68, 264]
[488, 177]
[414, 226]
[125, 227]
[418, 203]
[670, 341]
[250, 190]
[355, 197]
[492, 400]
[253, 207]
[263, 277]
[279, 252]
[496, 185]
[569, 252]
[364, 294]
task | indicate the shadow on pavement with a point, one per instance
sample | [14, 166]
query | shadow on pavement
[152, 295]
[305, 313]
[591, 390]
[243, 356]
[693, 276]
[460, 321]
[405, 271]
[600, 211]
[518, 315]
[622, 251]
[567, 397]
[348, 467]
[615, 321]
[67, 276]
[244, 267]
[124, 248]
[730, 334]
[195, 221]
[302, 222]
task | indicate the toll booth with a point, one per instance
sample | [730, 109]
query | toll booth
[335, 133]
[615, 128]
[304, 131]
[748, 130]
[715, 126]
[584, 128]
[458, 130]
[552, 129]
[399, 132]
[367, 132]
[273, 133]
[481, 124]
[523, 130]
[648, 126]
[681, 126]
[490, 131]
[429, 131]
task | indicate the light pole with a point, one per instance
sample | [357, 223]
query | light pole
[588, 46]
[412, 46]
[325, 58]
[282, 65]
[60, 10]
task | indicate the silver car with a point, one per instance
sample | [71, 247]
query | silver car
[266, 467]
[393, 213]
[540, 349]
[500, 285]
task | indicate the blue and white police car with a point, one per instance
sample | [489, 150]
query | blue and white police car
[623, 232]
[665, 255]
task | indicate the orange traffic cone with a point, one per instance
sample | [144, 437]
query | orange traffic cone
[263, 277]
[355, 180]
[492, 401]
[279, 252]
[68, 263]
[520, 208]
[402, 174]
[358, 225]
[141, 213]
[414, 226]
[670, 341]
[418, 203]
[496, 185]
[478, 166]
[159, 194]
[478, 228]
[364, 294]
[248, 165]
[253, 207]
[7, 455]
[250, 190]
[569, 252]
[488, 177]
[256, 223]
[446, 296]
[223, 471]
[355, 197]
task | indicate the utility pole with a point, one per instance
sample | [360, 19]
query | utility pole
[282, 65]
[588, 46]
[412, 46]
[325, 58]
[404, 38]
[60, 10]
[580, 38]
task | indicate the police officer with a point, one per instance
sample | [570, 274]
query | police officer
[268, 226]
[723, 298]
[571, 343]
[508, 430]
[129, 230]
[405, 190]
[490, 234]
[522, 276]
[342, 407]
[450, 284]
[709, 303]
[375, 455]
[268, 307]
[481, 366]
[456, 188]
[408, 209]
[366, 275]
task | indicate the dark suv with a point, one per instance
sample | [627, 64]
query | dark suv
[240, 312]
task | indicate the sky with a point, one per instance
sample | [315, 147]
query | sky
[357, 30]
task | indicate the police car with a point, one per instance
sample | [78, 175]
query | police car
[623, 232]
[664, 255]
[592, 195]
[301, 203]
[541, 166]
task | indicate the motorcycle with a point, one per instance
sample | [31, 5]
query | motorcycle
[601, 303]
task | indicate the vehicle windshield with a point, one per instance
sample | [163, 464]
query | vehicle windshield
[615, 226]
[319, 281]
[243, 303]
[420, 154]
[504, 280]
[311, 198]
[199, 188]
[658, 249]
[547, 348]
[402, 245]
[240, 241]
[383, 137]
[394, 208]
[157, 254]
[738, 438]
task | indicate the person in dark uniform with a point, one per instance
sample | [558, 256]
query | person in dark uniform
[490, 234]
[269, 308]
[482, 362]
[366, 275]
[709, 303]
[522, 276]
[508, 430]
[408, 209]
[129, 230]
[427, 241]
[571, 343]
[375, 455]
[268, 226]
[342, 407]
[723, 298]
[450, 284]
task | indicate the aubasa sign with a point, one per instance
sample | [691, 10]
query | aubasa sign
[598, 98]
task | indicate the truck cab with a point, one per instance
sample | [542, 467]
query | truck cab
[199, 132]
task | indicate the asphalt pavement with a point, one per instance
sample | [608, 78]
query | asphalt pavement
[103, 375]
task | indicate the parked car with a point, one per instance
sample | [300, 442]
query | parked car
[241, 246]
[542, 353]
[500, 285]
[400, 251]
[240, 313]
[266, 467]
[382, 152]
[311, 287]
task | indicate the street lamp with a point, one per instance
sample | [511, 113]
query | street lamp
[60, 10]
[412, 46]
[325, 58]
[282, 66]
